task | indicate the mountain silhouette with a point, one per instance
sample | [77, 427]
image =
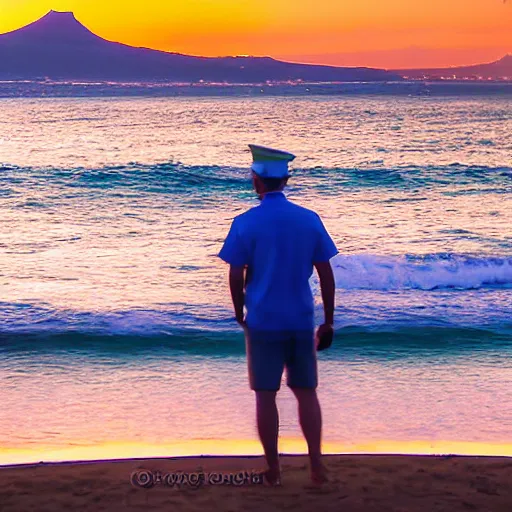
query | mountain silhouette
[498, 70]
[59, 47]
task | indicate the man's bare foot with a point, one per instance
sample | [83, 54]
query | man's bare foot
[319, 474]
[273, 476]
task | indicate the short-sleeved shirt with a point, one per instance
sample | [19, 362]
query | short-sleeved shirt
[279, 242]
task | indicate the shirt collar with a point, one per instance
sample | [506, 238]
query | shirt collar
[271, 196]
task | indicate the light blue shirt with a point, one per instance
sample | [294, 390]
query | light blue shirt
[279, 242]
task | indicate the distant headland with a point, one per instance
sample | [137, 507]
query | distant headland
[59, 47]
[500, 70]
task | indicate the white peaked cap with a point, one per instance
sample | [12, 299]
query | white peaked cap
[270, 163]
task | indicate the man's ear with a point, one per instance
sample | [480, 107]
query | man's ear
[257, 184]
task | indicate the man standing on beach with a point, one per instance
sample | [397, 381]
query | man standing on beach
[272, 250]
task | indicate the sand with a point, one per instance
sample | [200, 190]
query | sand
[377, 483]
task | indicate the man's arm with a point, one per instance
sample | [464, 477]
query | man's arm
[328, 287]
[233, 252]
[236, 286]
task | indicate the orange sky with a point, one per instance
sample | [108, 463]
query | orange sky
[384, 33]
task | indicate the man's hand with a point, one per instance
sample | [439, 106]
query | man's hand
[324, 336]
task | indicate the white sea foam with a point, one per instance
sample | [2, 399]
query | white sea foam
[371, 272]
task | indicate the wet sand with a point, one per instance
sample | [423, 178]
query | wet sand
[377, 483]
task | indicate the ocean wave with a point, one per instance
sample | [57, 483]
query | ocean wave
[380, 299]
[428, 272]
[385, 341]
[174, 177]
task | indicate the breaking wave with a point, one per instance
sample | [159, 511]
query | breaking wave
[429, 272]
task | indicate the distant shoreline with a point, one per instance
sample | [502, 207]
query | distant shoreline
[412, 88]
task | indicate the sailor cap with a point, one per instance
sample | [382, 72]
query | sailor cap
[270, 163]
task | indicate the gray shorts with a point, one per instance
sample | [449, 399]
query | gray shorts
[269, 352]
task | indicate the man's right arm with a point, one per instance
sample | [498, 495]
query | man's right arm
[325, 332]
[325, 250]
[236, 286]
[233, 252]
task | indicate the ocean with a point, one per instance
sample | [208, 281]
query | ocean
[116, 328]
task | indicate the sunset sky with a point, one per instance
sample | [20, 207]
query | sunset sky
[383, 33]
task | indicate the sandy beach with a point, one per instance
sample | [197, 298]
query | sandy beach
[357, 483]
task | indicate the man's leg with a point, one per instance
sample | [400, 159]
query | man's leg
[303, 380]
[265, 360]
[267, 418]
[310, 417]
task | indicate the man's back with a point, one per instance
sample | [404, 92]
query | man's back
[279, 242]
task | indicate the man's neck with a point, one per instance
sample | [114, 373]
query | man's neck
[273, 193]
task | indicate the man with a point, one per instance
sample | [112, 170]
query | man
[272, 250]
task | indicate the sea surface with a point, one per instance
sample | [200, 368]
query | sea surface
[116, 329]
